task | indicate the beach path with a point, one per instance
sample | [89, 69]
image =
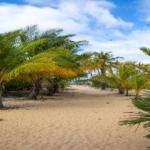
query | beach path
[82, 118]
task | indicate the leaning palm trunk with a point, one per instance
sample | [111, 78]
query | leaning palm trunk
[121, 89]
[53, 89]
[50, 91]
[35, 89]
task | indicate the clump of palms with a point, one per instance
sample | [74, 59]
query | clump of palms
[31, 55]
[130, 77]
[126, 76]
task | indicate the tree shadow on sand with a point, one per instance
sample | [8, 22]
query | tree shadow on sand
[26, 106]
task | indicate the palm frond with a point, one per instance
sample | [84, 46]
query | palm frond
[143, 117]
[145, 50]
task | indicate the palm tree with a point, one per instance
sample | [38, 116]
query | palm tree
[103, 62]
[139, 81]
[122, 77]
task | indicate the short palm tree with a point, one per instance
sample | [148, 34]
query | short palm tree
[139, 82]
[103, 62]
[121, 77]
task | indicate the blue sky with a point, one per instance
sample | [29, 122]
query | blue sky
[120, 26]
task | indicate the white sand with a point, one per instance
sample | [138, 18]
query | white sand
[82, 119]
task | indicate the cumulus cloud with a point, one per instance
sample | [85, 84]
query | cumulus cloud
[76, 16]
[14, 16]
[91, 20]
[128, 47]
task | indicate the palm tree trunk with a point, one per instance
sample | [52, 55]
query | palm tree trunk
[120, 89]
[50, 91]
[35, 89]
[1, 99]
[103, 84]
[137, 93]
[56, 88]
[127, 93]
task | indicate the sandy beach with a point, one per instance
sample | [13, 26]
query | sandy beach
[82, 118]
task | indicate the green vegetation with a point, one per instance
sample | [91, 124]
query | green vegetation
[34, 62]
[125, 76]
[142, 117]
[31, 55]
[141, 81]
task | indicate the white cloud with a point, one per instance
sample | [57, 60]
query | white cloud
[91, 20]
[70, 15]
[128, 47]
[104, 16]
[13, 16]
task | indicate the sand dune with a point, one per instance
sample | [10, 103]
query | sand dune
[83, 118]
